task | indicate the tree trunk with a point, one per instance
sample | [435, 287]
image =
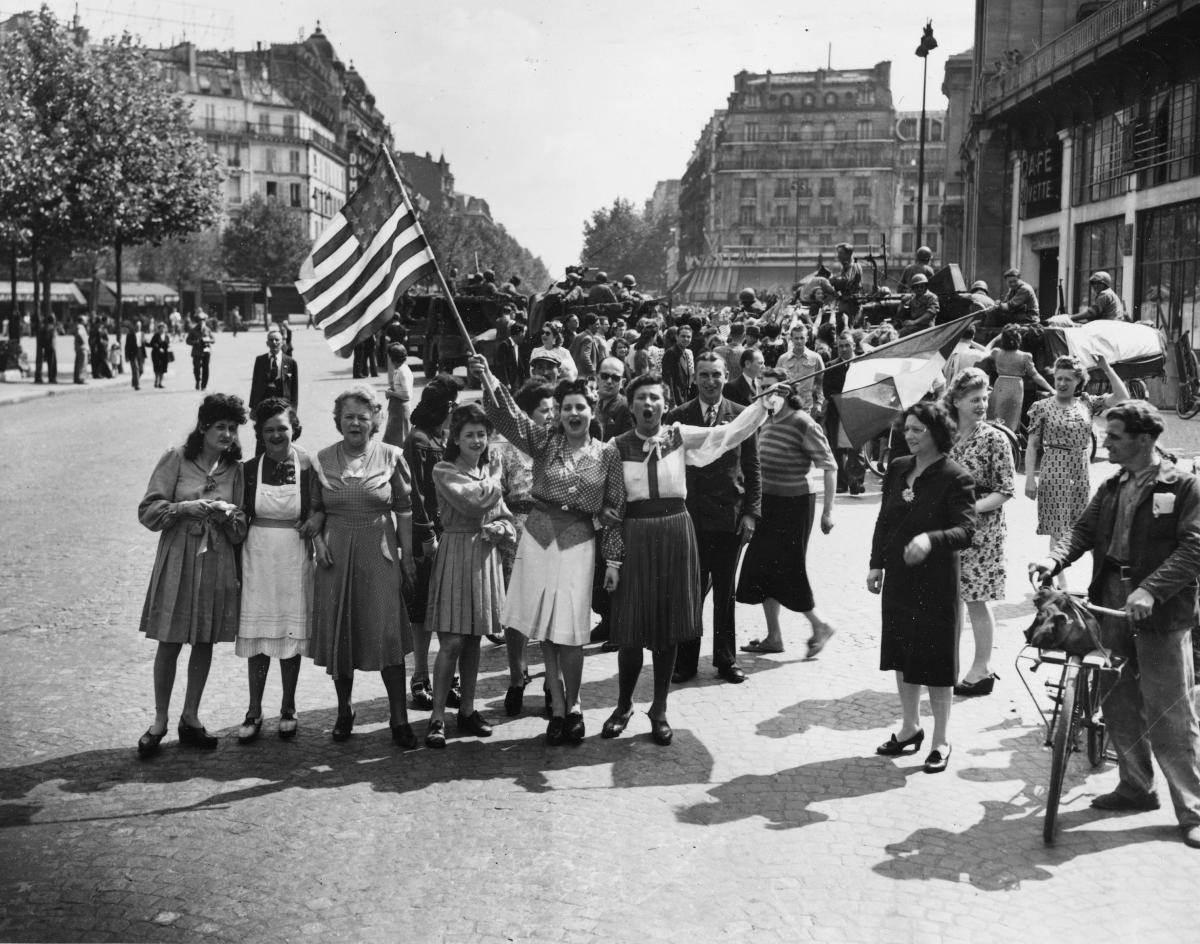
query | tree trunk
[117, 310]
[14, 321]
[35, 319]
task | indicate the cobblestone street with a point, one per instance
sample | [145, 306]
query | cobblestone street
[769, 819]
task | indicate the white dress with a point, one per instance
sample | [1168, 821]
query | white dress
[277, 574]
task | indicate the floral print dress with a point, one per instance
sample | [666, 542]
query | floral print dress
[1066, 440]
[987, 455]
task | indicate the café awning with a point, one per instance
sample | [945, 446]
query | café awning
[59, 292]
[143, 293]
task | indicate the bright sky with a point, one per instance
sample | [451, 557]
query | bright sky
[550, 109]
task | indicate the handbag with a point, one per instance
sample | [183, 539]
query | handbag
[170, 356]
[1063, 622]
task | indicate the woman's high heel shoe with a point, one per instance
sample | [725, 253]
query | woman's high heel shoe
[343, 727]
[895, 747]
[616, 723]
[196, 737]
[981, 686]
[148, 743]
[661, 731]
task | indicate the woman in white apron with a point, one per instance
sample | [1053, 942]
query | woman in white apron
[277, 569]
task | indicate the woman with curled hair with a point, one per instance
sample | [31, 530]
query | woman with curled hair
[986, 453]
[1012, 367]
[1060, 428]
[926, 516]
[192, 501]
[553, 348]
[577, 480]
[423, 450]
[277, 569]
[364, 551]
[775, 570]
[466, 590]
[657, 605]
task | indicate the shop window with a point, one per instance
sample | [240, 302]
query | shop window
[1097, 246]
[1166, 135]
[1101, 158]
[1169, 268]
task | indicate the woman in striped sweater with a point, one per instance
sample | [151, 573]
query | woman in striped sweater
[775, 571]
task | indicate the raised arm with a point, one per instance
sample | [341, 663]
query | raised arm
[510, 420]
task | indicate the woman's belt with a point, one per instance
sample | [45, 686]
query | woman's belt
[655, 508]
[1062, 448]
[559, 511]
[520, 507]
[273, 523]
[558, 523]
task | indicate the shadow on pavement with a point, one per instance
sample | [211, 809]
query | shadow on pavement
[864, 710]
[313, 762]
[783, 798]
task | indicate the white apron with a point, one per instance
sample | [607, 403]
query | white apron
[277, 574]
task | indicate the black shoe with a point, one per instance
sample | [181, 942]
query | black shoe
[575, 730]
[454, 696]
[196, 737]
[148, 743]
[679, 678]
[731, 673]
[936, 762]
[250, 729]
[661, 731]
[616, 723]
[555, 734]
[422, 694]
[402, 736]
[1118, 802]
[474, 724]
[895, 747]
[287, 725]
[344, 726]
[981, 686]
[435, 737]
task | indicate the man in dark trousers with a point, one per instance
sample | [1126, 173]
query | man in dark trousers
[1143, 529]
[725, 501]
[275, 374]
[135, 353]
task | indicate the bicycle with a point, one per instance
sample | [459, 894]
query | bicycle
[1077, 707]
[1188, 403]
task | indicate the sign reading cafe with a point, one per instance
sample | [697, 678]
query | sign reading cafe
[1041, 179]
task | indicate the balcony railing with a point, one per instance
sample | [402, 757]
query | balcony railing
[1104, 23]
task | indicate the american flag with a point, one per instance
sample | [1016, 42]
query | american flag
[371, 251]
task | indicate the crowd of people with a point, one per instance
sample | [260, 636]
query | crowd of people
[621, 469]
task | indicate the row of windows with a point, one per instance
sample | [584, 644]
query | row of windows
[802, 187]
[784, 214]
[787, 238]
[864, 95]
[807, 131]
[878, 156]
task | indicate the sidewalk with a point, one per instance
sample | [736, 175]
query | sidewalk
[22, 389]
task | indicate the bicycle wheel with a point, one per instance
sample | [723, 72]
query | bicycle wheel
[1137, 388]
[1089, 709]
[1064, 736]
[1188, 404]
[875, 454]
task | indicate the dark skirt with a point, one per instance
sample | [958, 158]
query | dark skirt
[921, 619]
[657, 602]
[776, 565]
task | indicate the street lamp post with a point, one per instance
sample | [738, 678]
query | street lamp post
[928, 44]
[796, 226]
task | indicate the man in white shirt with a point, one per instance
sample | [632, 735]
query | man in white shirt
[800, 363]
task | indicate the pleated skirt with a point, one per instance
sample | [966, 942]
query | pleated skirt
[466, 589]
[658, 600]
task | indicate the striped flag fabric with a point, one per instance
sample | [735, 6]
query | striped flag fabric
[883, 383]
[364, 260]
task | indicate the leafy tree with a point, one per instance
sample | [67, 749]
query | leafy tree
[95, 148]
[264, 243]
[622, 241]
[458, 239]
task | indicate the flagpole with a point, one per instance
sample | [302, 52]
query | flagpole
[436, 267]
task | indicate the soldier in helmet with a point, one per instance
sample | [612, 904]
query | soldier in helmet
[920, 310]
[922, 266]
[981, 298]
[487, 287]
[847, 282]
[1020, 305]
[1106, 306]
[628, 291]
[748, 305]
[601, 293]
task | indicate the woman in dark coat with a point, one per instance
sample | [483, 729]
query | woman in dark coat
[925, 518]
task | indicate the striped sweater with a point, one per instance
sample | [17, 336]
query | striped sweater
[788, 448]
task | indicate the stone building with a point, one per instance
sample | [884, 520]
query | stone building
[902, 241]
[266, 143]
[1081, 150]
[431, 179]
[794, 164]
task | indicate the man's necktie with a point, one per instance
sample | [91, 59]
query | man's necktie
[710, 418]
[274, 367]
